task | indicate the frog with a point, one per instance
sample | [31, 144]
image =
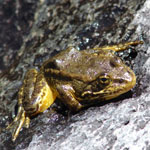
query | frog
[79, 79]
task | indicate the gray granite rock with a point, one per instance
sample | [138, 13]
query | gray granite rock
[119, 124]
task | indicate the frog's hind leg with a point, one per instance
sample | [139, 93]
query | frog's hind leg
[34, 97]
[19, 121]
[119, 47]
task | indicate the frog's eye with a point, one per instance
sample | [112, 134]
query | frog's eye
[104, 80]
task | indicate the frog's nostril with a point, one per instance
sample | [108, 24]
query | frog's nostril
[113, 64]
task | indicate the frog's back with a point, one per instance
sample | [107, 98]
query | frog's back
[85, 64]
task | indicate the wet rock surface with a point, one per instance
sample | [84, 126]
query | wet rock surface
[119, 124]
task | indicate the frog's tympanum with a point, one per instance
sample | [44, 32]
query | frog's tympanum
[77, 78]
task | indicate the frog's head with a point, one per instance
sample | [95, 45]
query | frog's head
[115, 79]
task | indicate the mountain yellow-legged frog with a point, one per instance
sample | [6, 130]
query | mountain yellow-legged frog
[77, 78]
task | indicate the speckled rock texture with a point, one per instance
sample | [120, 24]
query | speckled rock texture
[40, 29]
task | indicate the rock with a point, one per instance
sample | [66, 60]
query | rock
[122, 123]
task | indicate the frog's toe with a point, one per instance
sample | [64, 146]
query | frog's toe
[19, 121]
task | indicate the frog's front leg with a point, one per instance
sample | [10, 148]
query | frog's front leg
[119, 47]
[34, 97]
[67, 96]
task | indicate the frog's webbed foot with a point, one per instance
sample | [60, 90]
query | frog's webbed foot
[21, 120]
[119, 47]
[67, 96]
